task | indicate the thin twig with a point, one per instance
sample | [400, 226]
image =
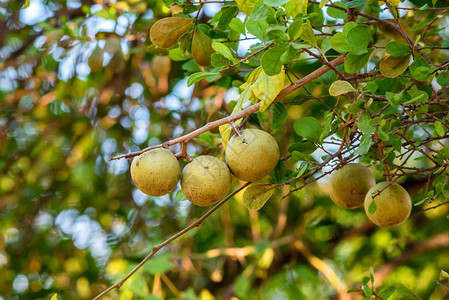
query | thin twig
[155, 249]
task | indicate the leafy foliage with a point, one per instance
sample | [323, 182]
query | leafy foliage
[85, 81]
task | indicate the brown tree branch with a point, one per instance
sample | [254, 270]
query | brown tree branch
[241, 114]
[155, 249]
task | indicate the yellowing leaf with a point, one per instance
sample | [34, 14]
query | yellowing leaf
[392, 2]
[256, 195]
[166, 32]
[340, 87]
[226, 130]
[246, 6]
[307, 34]
[444, 275]
[296, 7]
[266, 88]
[202, 48]
[54, 297]
[394, 66]
[95, 60]
[323, 2]
[25, 5]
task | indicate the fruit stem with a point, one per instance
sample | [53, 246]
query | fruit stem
[183, 153]
[237, 131]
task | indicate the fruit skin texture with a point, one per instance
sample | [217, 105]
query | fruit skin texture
[156, 172]
[348, 186]
[205, 180]
[393, 204]
[254, 159]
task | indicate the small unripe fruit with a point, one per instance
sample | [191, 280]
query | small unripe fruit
[156, 172]
[253, 159]
[393, 204]
[205, 180]
[348, 186]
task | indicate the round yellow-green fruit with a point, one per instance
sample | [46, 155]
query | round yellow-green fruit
[205, 180]
[254, 158]
[348, 186]
[155, 172]
[393, 204]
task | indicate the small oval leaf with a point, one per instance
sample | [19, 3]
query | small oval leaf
[166, 32]
[340, 87]
[394, 66]
[202, 48]
[256, 195]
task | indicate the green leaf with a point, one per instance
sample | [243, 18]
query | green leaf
[358, 39]
[340, 87]
[304, 147]
[339, 43]
[439, 129]
[420, 201]
[166, 32]
[202, 48]
[257, 194]
[364, 146]
[382, 135]
[257, 28]
[443, 78]
[397, 49]
[326, 44]
[219, 61]
[349, 26]
[364, 124]
[246, 6]
[372, 207]
[404, 291]
[354, 63]
[387, 292]
[307, 34]
[226, 17]
[195, 77]
[279, 171]
[271, 60]
[279, 115]
[309, 128]
[302, 169]
[420, 73]
[420, 68]
[277, 33]
[337, 13]
[223, 50]
[394, 66]
[394, 99]
[180, 195]
[294, 30]
[266, 88]
[237, 25]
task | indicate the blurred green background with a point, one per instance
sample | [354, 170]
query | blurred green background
[79, 83]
